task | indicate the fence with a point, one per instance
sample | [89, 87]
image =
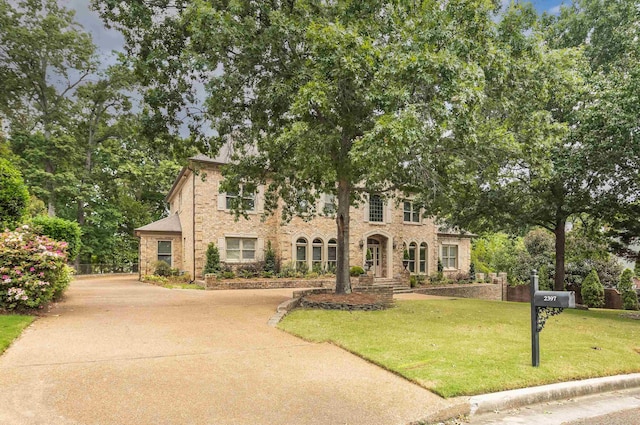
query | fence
[106, 268]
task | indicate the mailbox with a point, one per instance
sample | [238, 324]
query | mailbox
[561, 299]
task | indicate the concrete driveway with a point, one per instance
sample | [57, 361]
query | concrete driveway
[118, 351]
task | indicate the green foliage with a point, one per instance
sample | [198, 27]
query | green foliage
[636, 269]
[472, 271]
[270, 264]
[628, 292]
[59, 229]
[302, 268]
[405, 255]
[14, 196]
[162, 268]
[496, 252]
[212, 264]
[592, 291]
[356, 271]
[440, 266]
[369, 255]
[33, 269]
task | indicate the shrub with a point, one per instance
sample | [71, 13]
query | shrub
[302, 268]
[228, 274]
[213, 259]
[629, 296]
[269, 259]
[161, 268]
[413, 281]
[33, 269]
[288, 270]
[592, 291]
[356, 271]
[317, 269]
[59, 229]
[14, 196]
[472, 272]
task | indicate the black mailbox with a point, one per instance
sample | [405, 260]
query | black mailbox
[561, 299]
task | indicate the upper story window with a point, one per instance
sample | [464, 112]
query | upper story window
[164, 251]
[248, 201]
[411, 214]
[329, 204]
[450, 256]
[241, 249]
[376, 209]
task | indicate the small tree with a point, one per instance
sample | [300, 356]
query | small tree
[629, 296]
[592, 291]
[269, 259]
[472, 272]
[213, 259]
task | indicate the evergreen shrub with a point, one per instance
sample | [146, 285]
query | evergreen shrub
[629, 295]
[592, 290]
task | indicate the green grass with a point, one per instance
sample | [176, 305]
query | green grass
[466, 347]
[10, 327]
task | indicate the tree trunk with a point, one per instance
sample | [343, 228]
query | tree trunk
[343, 281]
[560, 233]
[51, 202]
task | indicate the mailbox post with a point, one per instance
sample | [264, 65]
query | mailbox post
[545, 304]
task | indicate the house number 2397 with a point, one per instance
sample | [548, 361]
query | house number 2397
[550, 297]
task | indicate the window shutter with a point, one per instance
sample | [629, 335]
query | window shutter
[366, 212]
[389, 211]
[222, 201]
[260, 249]
[260, 199]
[222, 249]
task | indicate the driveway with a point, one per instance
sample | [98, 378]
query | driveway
[118, 351]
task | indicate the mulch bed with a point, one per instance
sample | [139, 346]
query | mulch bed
[353, 301]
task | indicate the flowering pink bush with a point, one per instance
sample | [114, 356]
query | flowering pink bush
[33, 269]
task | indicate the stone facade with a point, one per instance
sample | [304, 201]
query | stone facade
[149, 251]
[204, 218]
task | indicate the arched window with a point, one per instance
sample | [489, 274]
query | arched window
[412, 257]
[332, 255]
[423, 258]
[301, 253]
[316, 255]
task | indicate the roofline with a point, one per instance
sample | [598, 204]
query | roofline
[158, 232]
[176, 183]
[460, 235]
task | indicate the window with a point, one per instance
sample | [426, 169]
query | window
[376, 209]
[332, 255]
[450, 256]
[316, 255]
[411, 214]
[329, 204]
[423, 258]
[412, 257]
[248, 201]
[241, 250]
[301, 253]
[164, 251]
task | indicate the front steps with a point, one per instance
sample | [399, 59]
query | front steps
[398, 287]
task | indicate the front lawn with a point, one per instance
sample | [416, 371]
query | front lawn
[10, 327]
[466, 347]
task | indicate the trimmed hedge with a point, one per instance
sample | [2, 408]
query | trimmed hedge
[59, 229]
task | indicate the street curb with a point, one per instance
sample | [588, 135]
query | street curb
[504, 400]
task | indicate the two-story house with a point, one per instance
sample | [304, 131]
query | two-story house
[200, 214]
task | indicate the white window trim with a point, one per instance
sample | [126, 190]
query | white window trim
[413, 212]
[256, 250]
[170, 254]
[368, 211]
[457, 257]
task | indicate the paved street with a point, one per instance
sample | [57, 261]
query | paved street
[615, 408]
[118, 351]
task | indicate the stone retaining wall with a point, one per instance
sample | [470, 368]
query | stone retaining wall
[210, 282]
[521, 293]
[483, 291]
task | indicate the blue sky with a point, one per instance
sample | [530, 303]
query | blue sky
[547, 5]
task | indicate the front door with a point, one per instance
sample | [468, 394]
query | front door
[376, 257]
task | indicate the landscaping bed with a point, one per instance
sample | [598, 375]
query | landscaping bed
[350, 302]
